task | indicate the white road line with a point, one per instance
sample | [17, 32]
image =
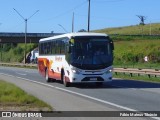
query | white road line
[79, 94]
[21, 73]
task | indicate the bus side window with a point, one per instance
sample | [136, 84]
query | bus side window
[39, 48]
[42, 48]
[112, 45]
[53, 47]
[45, 48]
[62, 47]
[58, 46]
[49, 47]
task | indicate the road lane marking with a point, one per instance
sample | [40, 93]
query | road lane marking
[21, 73]
[79, 94]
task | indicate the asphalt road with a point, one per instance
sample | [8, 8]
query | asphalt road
[120, 95]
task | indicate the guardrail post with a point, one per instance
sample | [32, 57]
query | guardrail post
[149, 75]
[131, 72]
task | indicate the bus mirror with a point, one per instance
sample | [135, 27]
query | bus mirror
[112, 45]
[69, 49]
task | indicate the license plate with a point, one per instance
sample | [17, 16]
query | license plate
[93, 79]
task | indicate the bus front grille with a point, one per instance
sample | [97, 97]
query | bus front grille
[98, 79]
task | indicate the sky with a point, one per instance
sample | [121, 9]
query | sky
[56, 15]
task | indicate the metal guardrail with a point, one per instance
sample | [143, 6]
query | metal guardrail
[131, 71]
[19, 65]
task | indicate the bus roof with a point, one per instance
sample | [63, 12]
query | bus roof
[69, 35]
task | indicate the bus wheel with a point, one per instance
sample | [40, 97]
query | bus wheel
[46, 76]
[66, 84]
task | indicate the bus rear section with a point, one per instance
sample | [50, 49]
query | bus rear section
[86, 58]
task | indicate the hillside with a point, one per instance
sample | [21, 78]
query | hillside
[147, 29]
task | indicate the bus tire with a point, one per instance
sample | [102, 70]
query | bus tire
[46, 76]
[65, 83]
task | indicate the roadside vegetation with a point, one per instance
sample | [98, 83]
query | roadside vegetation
[132, 53]
[147, 29]
[132, 45]
[13, 98]
[136, 77]
[10, 52]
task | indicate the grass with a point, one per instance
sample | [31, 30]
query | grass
[133, 29]
[15, 52]
[130, 50]
[136, 77]
[145, 65]
[133, 52]
[130, 54]
[13, 98]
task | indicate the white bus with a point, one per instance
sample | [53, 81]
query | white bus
[34, 56]
[76, 58]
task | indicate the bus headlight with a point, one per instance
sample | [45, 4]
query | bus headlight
[76, 71]
[108, 71]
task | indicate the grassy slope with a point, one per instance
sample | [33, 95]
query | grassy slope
[133, 30]
[13, 98]
[133, 53]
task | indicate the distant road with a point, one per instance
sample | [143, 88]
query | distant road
[120, 95]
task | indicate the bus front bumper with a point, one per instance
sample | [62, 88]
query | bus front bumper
[79, 78]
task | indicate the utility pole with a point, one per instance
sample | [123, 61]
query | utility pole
[142, 18]
[25, 20]
[1, 46]
[150, 29]
[73, 23]
[0, 24]
[89, 4]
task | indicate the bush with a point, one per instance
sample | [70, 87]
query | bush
[15, 52]
[18, 50]
[135, 51]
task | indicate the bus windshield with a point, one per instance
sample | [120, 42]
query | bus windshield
[91, 52]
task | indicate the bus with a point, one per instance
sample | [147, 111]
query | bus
[76, 58]
[34, 56]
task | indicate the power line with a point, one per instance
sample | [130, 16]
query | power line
[63, 28]
[25, 20]
[68, 11]
[89, 4]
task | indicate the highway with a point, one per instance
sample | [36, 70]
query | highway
[120, 95]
